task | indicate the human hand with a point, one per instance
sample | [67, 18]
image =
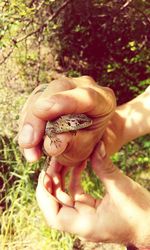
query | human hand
[122, 216]
[65, 96]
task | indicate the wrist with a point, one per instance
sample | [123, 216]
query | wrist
[113, 136]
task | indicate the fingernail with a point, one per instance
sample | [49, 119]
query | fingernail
[32, 154]
[26, 135]
[102, 151]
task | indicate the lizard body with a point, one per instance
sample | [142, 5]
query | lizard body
[66, 123]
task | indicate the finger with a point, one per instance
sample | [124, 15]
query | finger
[46, 202]
[75, 186]
[55, 86]
[59, 145]
[83, 81]
[54, 170]
[64, 173]
[113, 179]
[120, 188]
[63, 217]
[76, 220]
[76, 189]
[49, 204]
[101, 164]
[32, 154]
[30, 135]
[31, 127]
[26, 110]
[30, 140]
[27, 106]
[54, 167]
[77, 100]
[62, 197]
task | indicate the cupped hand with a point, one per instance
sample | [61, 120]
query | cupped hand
[65, 96]
[122, 216]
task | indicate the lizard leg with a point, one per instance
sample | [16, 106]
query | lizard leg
[55, 140]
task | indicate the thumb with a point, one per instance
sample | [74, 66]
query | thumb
[121, 188]
[103, 166]
[115, 181]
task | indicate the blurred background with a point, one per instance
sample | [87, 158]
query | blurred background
[41, 40]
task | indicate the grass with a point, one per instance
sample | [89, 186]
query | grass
[22, 225]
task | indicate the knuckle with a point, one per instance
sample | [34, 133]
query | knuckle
[64, 83]
[112, 97]
[110, 91]
[92, 96]
[37, 88]
[108, 95]
[88, 80]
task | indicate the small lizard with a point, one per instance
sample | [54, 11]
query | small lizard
[65, 123]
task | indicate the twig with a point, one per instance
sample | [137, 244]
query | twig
[144, 15]
[40, 29]
[126, 4]
[7, 56]
[139, 10]
[39, 62]
[54, 15]
[31, 3]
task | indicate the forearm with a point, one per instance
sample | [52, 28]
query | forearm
[136, 117]
[130, 121]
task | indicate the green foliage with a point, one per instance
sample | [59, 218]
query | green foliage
[91, 183]
[134, 160]
[22, 225]
[108, 40]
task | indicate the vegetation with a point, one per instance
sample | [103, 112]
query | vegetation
[40, 40]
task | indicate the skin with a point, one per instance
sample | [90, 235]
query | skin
[122, 126]
[53, 101]
[122, 216]
[130, 121]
